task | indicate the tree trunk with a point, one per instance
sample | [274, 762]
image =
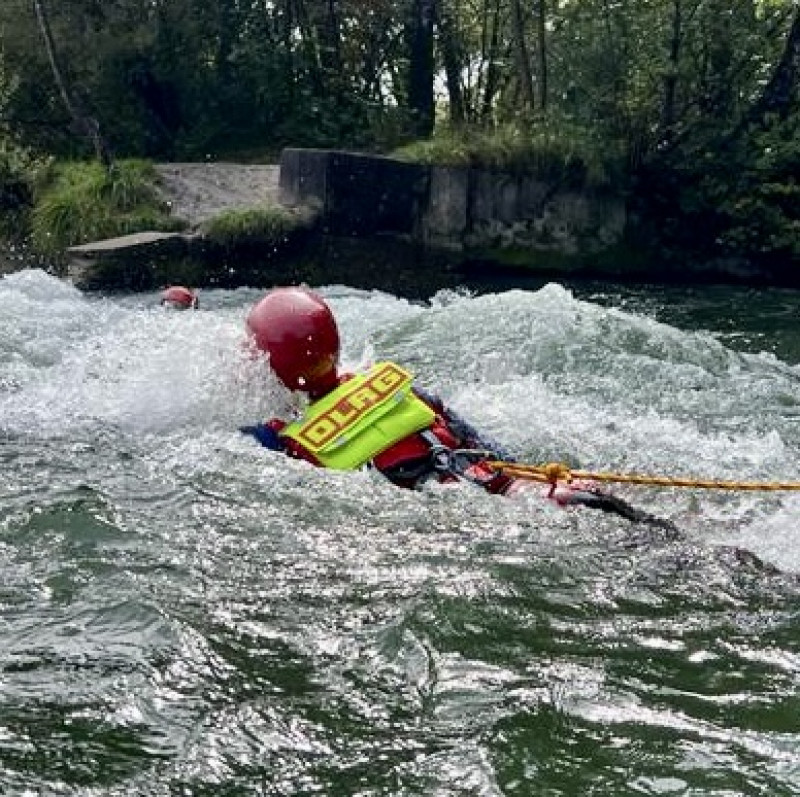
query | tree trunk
[326, 27]
[490, 88]
[85, 125]
[542, 46]
[421, 67]
[226, 24]
[780, 95]
[671, 76]
[717, 93]
[309, 46]
[452, 67]
[524, 76]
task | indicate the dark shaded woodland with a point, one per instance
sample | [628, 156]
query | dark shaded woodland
[689, 107]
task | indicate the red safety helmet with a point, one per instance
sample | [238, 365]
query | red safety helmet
[179, 297]
[297, 330]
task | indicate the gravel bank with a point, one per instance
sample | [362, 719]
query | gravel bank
[198, 191]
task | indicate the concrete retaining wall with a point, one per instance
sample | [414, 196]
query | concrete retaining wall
[434, 223]
[355, 194]
[463, 210]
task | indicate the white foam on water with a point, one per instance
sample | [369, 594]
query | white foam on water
[549, 375]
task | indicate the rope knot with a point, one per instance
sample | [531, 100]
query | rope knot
[556, 472]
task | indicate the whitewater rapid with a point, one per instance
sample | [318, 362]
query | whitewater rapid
[552, 376]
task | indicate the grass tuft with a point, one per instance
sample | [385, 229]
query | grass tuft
[80, 202]
[256, 225]
[544, 148]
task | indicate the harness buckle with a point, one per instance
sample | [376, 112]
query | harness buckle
[457, 461]
[443, 459]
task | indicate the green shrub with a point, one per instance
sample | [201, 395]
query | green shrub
[80, 202]
[18, 175]
[722, 196]
[263, 224]
[546, 148]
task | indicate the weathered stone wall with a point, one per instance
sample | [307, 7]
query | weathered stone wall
[382, 222]
[460, 209]
[355, 194]
[521, 211]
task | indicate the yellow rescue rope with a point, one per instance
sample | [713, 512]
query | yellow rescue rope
[555, 472]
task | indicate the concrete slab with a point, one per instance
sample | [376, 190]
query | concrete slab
[123, 242]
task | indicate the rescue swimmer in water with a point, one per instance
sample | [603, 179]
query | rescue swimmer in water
[380, 418]
[178, 297]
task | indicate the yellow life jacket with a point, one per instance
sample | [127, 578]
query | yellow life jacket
[361, 418]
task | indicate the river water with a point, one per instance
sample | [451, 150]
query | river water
[185, 613]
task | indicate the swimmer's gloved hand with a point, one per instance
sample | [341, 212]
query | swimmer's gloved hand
[265, 435]
[606, 502]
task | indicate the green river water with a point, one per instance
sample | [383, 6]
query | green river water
[185, 613]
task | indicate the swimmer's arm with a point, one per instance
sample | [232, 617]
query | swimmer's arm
[266, 434]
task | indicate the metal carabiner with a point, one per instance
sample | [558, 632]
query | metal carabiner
[457, 461]
[442, 459]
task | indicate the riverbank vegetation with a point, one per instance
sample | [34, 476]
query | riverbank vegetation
[690, 107]
[256, 226]
[75, 202]
[553, 150]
